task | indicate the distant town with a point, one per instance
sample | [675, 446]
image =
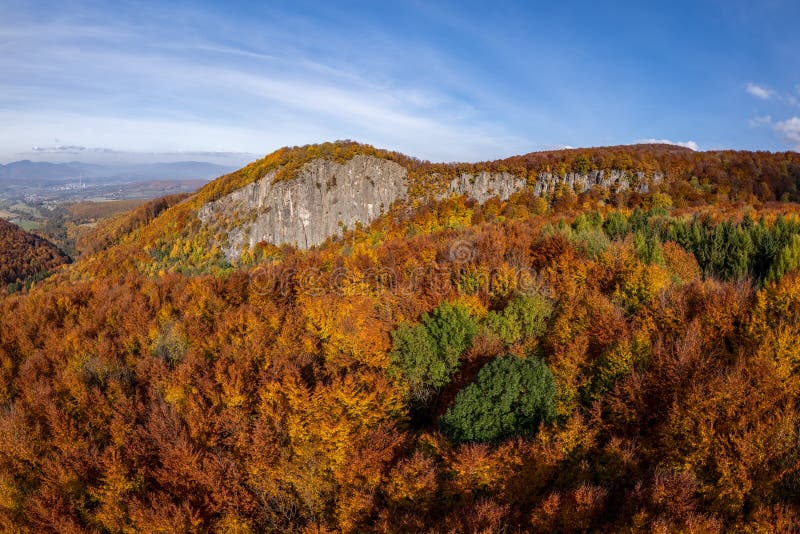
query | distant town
[33, 195]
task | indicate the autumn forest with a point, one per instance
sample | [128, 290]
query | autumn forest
[587, 360]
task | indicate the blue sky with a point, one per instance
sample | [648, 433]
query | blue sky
[446, 81]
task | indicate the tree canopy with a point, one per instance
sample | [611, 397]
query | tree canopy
[510, 397]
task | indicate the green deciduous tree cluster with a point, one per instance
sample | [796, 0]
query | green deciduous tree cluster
[427, 354]
[510, 397]
[525, 316]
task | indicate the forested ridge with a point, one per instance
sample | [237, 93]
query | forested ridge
[176, 240]
[25, 257]
[589, 361]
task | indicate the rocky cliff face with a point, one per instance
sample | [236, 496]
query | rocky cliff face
[323, 198]
[614, 180]
[484, 185]
[326, 197]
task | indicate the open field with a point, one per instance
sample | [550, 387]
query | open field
[85, 211]
[27, 209]
[27, 224]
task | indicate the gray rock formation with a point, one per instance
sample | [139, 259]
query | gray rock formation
[326, 197]
[484, 185]
[614, 180]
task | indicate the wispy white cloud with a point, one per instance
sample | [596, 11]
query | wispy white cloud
[140, 139]
[757, 122]
[71, 149]
[548, 147]
[55, 152]
[203, 93]
[438, 82]
[764, 93]
[790, 130]
[686, 144]
[759, 91]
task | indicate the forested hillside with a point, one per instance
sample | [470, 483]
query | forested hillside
[584, 361]
[24, 256]
[177, 241]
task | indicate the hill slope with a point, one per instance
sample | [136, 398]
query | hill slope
[305, 195]
[24, 255]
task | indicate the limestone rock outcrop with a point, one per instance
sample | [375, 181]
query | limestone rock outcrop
[326, 197]
[484, 185]
[318, 203]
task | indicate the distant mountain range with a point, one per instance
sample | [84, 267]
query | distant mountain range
[57, 172]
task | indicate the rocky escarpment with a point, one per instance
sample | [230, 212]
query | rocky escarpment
[318, 203]
[484, 185]
[326, 197]
[612, 180]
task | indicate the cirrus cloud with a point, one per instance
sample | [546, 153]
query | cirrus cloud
[757, 122]
[790, 130]
[759, 91]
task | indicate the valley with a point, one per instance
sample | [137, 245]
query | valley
[62, 201]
